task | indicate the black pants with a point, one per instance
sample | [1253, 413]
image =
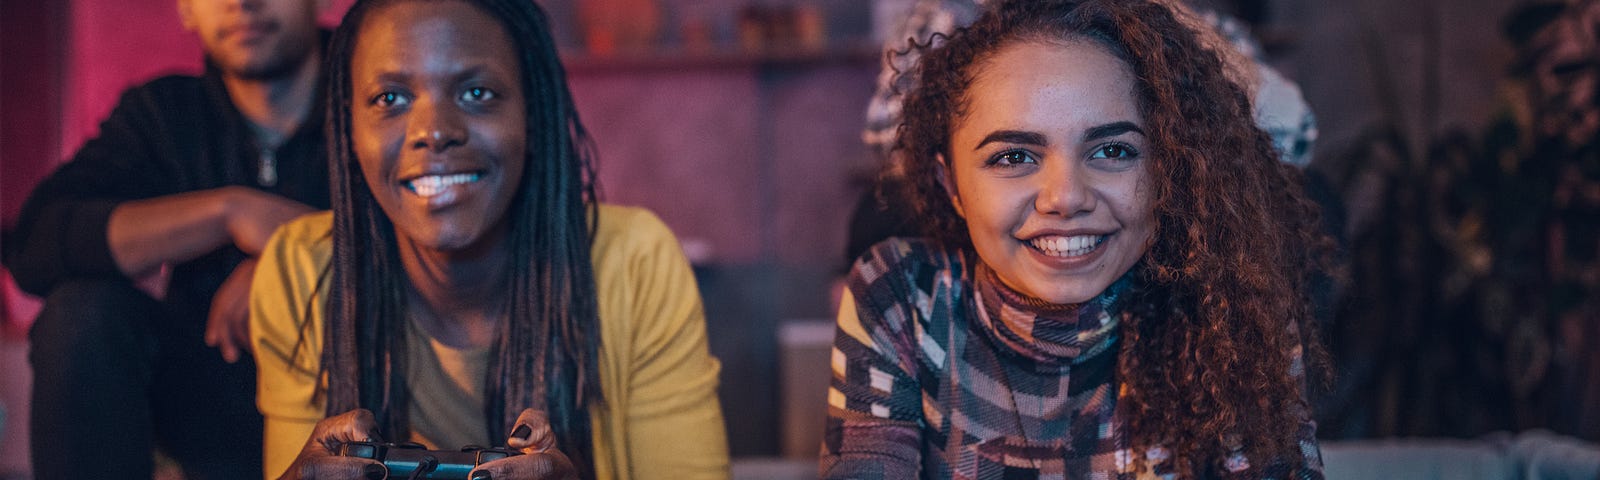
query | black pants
[116, 373]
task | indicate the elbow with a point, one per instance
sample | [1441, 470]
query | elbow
[28, 269]
[29, 278]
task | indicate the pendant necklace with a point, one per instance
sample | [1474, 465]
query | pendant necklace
[267, 160]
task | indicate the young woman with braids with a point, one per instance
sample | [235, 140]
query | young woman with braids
[467, 288]
[1112, 280]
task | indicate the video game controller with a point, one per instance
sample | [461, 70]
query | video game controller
[410, 460]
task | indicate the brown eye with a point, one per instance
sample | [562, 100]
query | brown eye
[388, 100]
[1011, 157]
[478, 94]
[1115, 150]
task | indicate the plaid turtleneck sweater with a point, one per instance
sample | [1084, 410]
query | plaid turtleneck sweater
[940, 371]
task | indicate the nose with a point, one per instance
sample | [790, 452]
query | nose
[1063, 190]
[435, 126]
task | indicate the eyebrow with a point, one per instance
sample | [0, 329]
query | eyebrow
[403, 76]
[469, 72]
[392, 77]
[1110, 130]
[1031, 138]
[1013, 136]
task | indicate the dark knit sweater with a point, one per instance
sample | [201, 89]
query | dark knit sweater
[172, 135]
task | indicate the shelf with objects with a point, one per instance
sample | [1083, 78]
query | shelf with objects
[671, 59]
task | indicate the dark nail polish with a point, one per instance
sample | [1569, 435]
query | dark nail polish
[373, 471]
[522, 432]
[481, 475]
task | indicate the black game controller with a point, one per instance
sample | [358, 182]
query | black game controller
[411, 460]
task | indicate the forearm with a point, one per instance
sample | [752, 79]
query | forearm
[143, 234]
[861, 447]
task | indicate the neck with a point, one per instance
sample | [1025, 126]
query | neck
[1051, 334]
[459, 298]
[276, 106]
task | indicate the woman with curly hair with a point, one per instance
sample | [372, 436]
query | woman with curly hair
[468, 288]
[1112, 279]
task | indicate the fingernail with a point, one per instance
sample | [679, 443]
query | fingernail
[522, 432]
[481, 475]
[374, 471]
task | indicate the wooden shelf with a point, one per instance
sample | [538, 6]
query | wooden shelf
[667, 60]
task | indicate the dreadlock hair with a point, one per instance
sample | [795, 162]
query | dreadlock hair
[547, 351]
[1221, 303]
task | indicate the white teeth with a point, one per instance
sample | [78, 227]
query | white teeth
[430, 185]
[1074, 246]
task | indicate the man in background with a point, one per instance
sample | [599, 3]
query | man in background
[190, 173]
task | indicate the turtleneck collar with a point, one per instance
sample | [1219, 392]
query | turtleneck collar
[1047, 333]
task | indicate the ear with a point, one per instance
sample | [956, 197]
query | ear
[949, 184]
[186, 15]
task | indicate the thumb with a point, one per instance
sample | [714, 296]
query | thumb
[531, 433]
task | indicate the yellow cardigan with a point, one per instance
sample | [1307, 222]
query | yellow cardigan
[661, 419]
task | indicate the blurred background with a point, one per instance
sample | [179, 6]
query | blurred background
[1469, 306]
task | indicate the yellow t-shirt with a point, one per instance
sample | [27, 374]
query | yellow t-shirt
[661, 419]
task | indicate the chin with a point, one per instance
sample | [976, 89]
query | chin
[1070, 297]
[1069, 291]
[453, 243]
[436, 238]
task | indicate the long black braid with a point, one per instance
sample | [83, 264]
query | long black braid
[550, 343]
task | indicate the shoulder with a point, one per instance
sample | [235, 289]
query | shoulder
[625, 232]
[622, 221]
[906, 262]
[168, 91]
[286, 313]
[301, 248]
[641, 275]
[174, 103]
[312, 232]
[170, 84]
[904, 280]
[634, 251]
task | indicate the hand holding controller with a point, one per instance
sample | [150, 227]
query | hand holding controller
[413, 461]
[345, 446]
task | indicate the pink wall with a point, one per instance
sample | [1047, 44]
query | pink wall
[30, 96]
[119, 44]
[115, 45]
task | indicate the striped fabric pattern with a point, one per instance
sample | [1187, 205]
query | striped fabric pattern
[937, 375]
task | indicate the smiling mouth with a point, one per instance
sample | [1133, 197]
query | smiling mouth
[1067, 247]
[430, 185]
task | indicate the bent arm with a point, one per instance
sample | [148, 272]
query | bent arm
[131, 199]
[61, 233]
[675, 424]
[286, 335]
[873, 427]
[143, 234]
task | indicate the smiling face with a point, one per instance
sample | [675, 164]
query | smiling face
[437, 121]
[253, 38]
[1049, 169]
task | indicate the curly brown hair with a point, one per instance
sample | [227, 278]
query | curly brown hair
[1209, 342]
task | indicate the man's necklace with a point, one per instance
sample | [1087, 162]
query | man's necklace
[267, 171]
[267, 167]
